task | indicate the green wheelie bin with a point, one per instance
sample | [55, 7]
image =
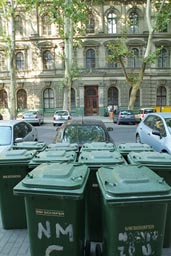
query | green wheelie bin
[63, 146]
[98, 146]
[160, 163]
[13, 168]
[94, 160]
[30, 145]
[126, 148]
[54, 196]
[134, 207]
[54, 156]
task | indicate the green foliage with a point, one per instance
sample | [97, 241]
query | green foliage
[118, 50]
[151, 58]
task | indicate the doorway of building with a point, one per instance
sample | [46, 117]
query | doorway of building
[91, 100]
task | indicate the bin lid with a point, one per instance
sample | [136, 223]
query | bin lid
[63, 146]
[150, 159]
[30, 145]
[97, 157]
[131, 183]
[54, 178]
[136, 147]
[16, 156]
[98, 146]
[53, 156]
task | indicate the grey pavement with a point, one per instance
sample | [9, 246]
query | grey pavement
[15, 242]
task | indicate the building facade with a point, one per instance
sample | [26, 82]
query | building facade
[40, 67]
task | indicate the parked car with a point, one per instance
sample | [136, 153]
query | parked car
[142, 112]
[15, 131]
[61, 116]
[124, 117]
[81, 131]
[155, 130]
[33, 117]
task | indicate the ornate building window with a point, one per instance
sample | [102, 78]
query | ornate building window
[161, 96]
[2, 61]
[19, 61]
[163, 58]
[48, 98]
[134, 21]
[46, 25]
[18, 25]
[73, 105]
[91, 24]
[113, 96]
[3, 99]
[111, 23]
[48, 60]
[112, 64]
[21, 99]
[134, 60]
[90, 59]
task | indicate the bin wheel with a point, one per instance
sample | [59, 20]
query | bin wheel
[98, 250]
[87, 248]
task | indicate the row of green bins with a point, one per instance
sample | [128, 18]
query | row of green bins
[125, 148]
[52, 156]
[160, 163]
[94, 160]
[54, 196]
[134, 207]
[98, 146]
[13, 168]
[30, 145]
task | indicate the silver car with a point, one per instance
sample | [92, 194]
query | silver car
[13, 131]
[155, 130]
[33, 117]
[61, 116]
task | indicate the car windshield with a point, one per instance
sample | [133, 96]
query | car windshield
[126, 113]
[5, 137]
[84, 134]
[61, 113]
[168, 122]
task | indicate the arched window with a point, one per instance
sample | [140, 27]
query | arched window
[134, 61]
[163, 58]
[113, 96]
[2, 61]
[91, 24]
[90, 58]
[19, 61]
[161, 96]
[18, 25]
[111, 64]
[111, 23]
[73, 105]
[46, 25]
[48, 60]
[48, 98]
[21, 99]
[134, 21]
[3, 99]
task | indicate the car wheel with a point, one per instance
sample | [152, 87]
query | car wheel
[138, 139]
